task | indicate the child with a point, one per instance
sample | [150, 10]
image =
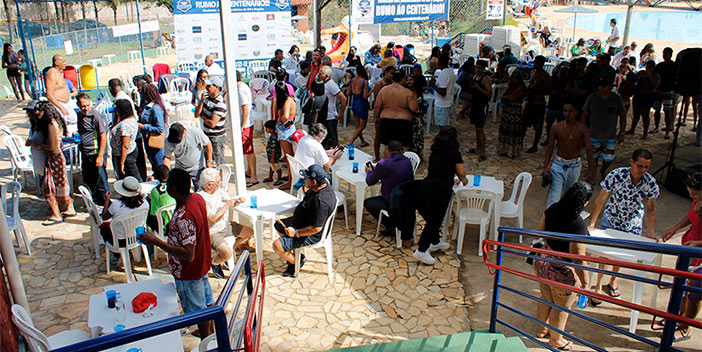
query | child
[273, 153]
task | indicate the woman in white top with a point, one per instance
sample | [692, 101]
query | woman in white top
[123, 141]
[291, 63]
[130, 199]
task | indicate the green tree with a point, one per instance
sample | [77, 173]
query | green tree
[165, 3]
[114, 4]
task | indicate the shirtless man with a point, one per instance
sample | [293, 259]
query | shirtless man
[647, 83]
[394, 107]
[57, 91]
[386, 81]
[570, 135]
[539, 86]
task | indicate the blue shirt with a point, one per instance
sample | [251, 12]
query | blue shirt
[395, 170]
[153, 119]
[509, 60]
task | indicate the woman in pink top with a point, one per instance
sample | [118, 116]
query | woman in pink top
[691, 304]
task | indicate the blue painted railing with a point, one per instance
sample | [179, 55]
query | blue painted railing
[678, 286]
[227, 339]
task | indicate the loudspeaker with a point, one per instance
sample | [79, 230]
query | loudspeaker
[676, 178]
[688, 78]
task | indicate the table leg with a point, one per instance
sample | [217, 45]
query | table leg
[258, 234]
[360, 193]
[658, 262]
[496, 211]
[638, 295]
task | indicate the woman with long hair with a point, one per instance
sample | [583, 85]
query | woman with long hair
[353, 59]
[359, 91]
[291, 62]
[563, 217]
[445, 162]
[511, 134]
[372, 56]
[129, 199]
[152, 124]
[50, 123]
[199, 88]
[11, 62]
[417, 145]
[123, 141]
[285, 108]
[433, 60]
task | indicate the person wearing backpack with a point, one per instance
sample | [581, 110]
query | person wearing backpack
[316, 105]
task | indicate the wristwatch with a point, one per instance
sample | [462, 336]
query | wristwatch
[297, 234]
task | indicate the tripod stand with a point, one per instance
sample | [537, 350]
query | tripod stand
[670, 158]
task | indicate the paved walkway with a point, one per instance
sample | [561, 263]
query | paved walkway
[380, 292]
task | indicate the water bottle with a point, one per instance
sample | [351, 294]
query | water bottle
[351, 152]
[582, 301]
[140, 231]
[76, 138]
[300, 182]
[121, 310]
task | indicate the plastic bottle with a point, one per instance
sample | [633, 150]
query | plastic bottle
[582, 301]
[76, 138]
[121, 310]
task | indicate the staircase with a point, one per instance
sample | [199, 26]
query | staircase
[474, 341]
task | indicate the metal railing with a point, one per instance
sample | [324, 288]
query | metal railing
[671, 315]
[227, 338]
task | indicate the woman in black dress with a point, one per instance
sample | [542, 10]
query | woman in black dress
[445, 161]
[11, 62]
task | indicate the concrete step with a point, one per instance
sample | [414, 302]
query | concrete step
[474, 341]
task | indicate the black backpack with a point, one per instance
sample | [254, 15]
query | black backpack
[312, 108]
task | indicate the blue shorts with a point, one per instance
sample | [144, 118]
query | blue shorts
[194, 294]
[603, 149]
[441, 115]
[290, 243]
[605, 224]
[284, 134]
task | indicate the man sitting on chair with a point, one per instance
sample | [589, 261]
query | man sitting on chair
[304, 228]
[218, 204]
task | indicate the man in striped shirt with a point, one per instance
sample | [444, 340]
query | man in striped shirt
[213, 112]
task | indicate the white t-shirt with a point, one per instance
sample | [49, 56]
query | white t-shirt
[310, 152]
[614, 34]
[447, 79]
[331, 89]
[215, 70]
[214, 202]
[245, 99]
[117, 208]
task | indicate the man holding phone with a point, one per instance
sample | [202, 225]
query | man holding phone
[395, 169]
[310, 150]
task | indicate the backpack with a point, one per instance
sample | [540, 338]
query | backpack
[311, 109]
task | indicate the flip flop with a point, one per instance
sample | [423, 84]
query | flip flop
[49, 222]
[66, 215]
[284, 178]
[482, 157]
[594, 301]
[278, 183]
[683, 336]
[567, 347]
[472, 151]
[268, 179]
[364, 144]
[613, 292]
[251, 184]
[284, 188]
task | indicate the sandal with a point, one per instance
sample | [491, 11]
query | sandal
[49, 222]
[567, 347]
[472, 151]
[68, 215]
[278, 183]
[683, 335]
[268, 179]
[613, 292]
[543, 336]
[364, 144]
[251, 184]
[482, 157]
[284, 178]
[594, 301]
[285, 187]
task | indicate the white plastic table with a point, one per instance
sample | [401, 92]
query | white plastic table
[271, 204]
[95, 62]
[148, 186]
[343, 169]
[627, 255]
[487, 183]
[170, 341]
[101, 320]
[108, 57]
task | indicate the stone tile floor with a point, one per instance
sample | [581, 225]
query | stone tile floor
[379, 294]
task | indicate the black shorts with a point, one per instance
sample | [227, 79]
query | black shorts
[395, 130]
[478, 113]
[332, 138]
[643, 101]
[533, 115]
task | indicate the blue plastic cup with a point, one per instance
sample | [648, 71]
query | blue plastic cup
[476, 180]
[254, 202]
[355, 167]
[140, 231]
[119, 328]
[110, 294]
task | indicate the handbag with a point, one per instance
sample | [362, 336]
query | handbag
[156, 141]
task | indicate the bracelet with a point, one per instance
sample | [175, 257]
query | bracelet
[297, 234]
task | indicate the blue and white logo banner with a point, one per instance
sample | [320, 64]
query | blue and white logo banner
[390, 11]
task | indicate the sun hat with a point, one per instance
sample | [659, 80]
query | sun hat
[128, 187]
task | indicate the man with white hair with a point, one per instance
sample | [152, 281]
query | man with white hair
[332, 91]
[213, 68]
[218, 203]
[310, 150]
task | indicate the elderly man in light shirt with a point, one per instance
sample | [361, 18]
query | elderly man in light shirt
[218, 203]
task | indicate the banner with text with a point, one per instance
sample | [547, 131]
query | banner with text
[260, 27]
[495, 9]
[362, 12]
[390, 11]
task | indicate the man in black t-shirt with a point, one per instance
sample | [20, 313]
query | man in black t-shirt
[277, 62]
[305, 227]
[93, 142]
[665, 96]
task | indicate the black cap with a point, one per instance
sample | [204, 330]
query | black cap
[314, 172]
[175, 133]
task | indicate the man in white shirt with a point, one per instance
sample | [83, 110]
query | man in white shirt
[218, 203]
[614, 39]
[443, 89]
[633, 52]
[333, 93]
[617, 59]
[310, 150]
[213, 69]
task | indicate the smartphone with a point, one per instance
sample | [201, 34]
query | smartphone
[370, 164]
[341, 147]
[288, 124]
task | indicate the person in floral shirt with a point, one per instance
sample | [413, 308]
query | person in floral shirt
[624, 192]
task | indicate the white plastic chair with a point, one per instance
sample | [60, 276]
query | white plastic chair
[93, 217]
[260, 113]
[166, 210]
[137, 70]
[179, 85]
[295, 167]
[21, 159]
[462, 59]
[74, 163]
[406, 69]
[225, 172]
[14, 221]
[185, 67]
[514, 206]
[325, 242]
[549, 66]
[5, 130]
[37, 341]
[267, 75]
[456, 95]
[499, 91]
[472, 213]
[398, 237]
[128, 223]
[414, 159]
[126, 79]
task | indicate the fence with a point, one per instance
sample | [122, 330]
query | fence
[247, 338]
[671, 315]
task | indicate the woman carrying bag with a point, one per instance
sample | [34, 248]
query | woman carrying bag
[152, 125]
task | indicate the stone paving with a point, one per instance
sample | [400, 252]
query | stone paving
[380, 293]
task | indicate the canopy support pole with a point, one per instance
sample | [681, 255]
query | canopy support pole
[627, 25]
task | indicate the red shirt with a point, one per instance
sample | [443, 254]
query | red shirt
[693, 233]
[189, 226]
[314, 69]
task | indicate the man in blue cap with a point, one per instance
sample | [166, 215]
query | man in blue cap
[304, 228]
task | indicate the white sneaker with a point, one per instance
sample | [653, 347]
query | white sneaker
[442, 245]
[424, 257]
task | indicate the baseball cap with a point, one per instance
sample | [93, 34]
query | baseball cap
[215, 81]
[315, 172]
[175, 133]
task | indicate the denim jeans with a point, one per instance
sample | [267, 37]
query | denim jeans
[95, 177]
[565, 174]
[155, 156]
[219, 143]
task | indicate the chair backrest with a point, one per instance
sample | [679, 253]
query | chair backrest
[328, 225]
[259, 86]
[163, 217]
[36, 339]
[414, 159]
[138, 70]
[14, 188]
[456, 94]
[462, 59]
[19, 154]
[126, 79]
[179, 85]
[128, 224]
[89, 204]
[406, 69]
[549, 66]
[523, 180]
[295, 167]
[185, 67]
[5, 130]
[475, 200]
[225, 172]
[267, 75]
[499, 91]
[549, 52]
